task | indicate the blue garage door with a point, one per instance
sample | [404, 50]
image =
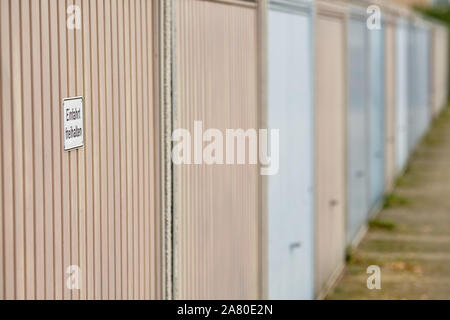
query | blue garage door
[357, 171]
[419, 108]
[290, 192]
[376, 115]
[401, 115]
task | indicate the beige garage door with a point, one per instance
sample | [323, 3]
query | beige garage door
[93, 207]
[216, 212]
[390, 145]
[440, 69]
[330, 144]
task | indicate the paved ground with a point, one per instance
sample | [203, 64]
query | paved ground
[410, 239]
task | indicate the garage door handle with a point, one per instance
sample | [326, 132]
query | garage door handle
[334, 203]
[295, 245]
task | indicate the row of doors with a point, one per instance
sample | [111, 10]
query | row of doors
[304, 248]
[98, 207]
[307, 231]
[330, 109]
[303, 245]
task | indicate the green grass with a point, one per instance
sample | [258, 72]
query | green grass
[381, 224]
[432, 139]
[394, 200]
[349, 254]
[408, 180]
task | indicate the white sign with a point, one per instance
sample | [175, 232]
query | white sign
[73, 129]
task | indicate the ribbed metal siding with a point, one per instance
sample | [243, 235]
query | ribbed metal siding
[95, 206]
[390, 89]
[419, 113]
[357, 126]
[401, 79]
[440, 69]
[216, 206]
[330, 137]
[376, 116]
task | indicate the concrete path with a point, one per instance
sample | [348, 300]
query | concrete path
[410, 239]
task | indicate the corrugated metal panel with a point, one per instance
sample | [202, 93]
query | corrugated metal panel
[216, 206]
[440, 68]
[330, 101]
[376, 116]
[419, 113]
[93, 207]
[357, 130]
[290, 192]
[401, 76]
[390, 89]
